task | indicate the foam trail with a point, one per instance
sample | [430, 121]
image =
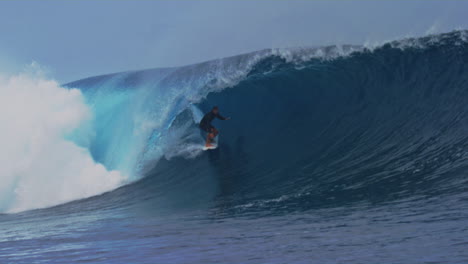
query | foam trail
[39, 167]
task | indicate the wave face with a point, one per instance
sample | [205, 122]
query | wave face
[310, 127]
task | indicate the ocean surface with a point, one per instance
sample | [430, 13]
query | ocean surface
[337, 154]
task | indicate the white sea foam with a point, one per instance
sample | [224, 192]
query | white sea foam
[39, 167]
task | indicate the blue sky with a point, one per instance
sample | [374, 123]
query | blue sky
[76, 39]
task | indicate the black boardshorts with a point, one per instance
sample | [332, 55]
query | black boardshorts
[207, 128]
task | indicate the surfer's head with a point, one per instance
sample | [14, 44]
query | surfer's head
[215, 109]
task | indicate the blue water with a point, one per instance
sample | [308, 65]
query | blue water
[333, 155]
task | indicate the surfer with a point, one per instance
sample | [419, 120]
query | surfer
[205, 125]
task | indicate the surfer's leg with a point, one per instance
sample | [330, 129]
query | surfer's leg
[208, 140]
[214, 131]
[207, 130]
[209, 137]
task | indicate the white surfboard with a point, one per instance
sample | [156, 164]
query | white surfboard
[212, 147]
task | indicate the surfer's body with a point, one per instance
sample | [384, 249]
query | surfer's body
[205, 125]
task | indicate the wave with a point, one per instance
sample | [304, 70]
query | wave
[310, 127]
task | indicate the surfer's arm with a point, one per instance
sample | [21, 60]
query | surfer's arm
[222, 117]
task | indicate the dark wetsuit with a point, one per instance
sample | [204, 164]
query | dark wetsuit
[205, 123]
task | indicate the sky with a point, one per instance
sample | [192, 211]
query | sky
[82, 38]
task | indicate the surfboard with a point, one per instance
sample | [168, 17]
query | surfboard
[212, 147]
